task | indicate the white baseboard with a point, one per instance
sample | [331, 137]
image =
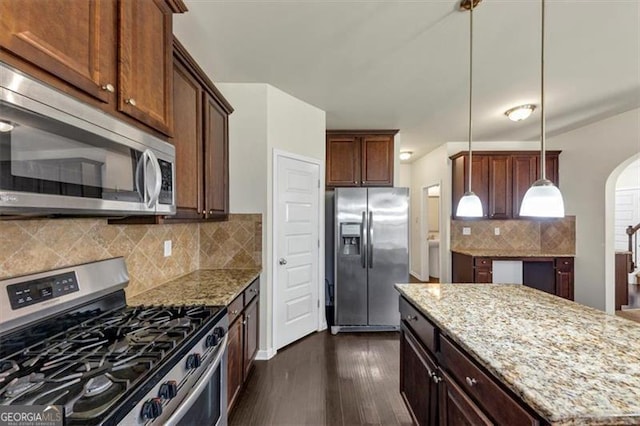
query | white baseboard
[264, 355]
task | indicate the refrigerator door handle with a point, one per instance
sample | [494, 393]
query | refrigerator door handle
[370, 239]
[363, 256]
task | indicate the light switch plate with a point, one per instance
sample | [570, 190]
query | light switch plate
[496, 231]
[466, 230]
[167, 248]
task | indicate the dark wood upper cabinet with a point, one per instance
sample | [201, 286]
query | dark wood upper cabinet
[68, 38]
[499, 187]
[145, 63]
[216, 151]
[112, 54]
[188, 141]
[343, 160]
[500, 179]
[360, 158]
[377, 160]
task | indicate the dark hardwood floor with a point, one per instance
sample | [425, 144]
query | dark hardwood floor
[348, 379]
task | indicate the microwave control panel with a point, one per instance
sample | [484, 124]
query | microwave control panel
[166, 188]
[36, 291]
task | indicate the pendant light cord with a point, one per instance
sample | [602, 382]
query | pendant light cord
[543, 166]
[470, 86]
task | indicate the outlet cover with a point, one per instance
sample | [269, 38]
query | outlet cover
[466, 230]
[167, 248]
[496, 231]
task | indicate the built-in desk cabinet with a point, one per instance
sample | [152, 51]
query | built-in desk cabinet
[554, 275]
[442, 385]
[243, 339]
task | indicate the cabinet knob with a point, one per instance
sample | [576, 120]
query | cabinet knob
[355, 181]
[130, 101]
[108, 87]
[411, 318]
[471, 381]
[234, 312]
[210, 211]
[436, 378]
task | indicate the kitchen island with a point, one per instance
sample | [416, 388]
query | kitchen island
[509, 354]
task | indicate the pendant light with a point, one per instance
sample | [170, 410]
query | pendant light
[470, 205]
[543, 199]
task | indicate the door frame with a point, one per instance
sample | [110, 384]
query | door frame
[424, 229]
[321, 320]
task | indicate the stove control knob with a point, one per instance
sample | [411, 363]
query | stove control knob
[212, 340]
[168, 389]
[152, 409]
[219, 332]
[193, 361]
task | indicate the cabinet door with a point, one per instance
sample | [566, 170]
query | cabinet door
[216, 149]
[525, 171]
[552, 165]
[500, 187]
[479, 180]
[377, 160]
[72, 39]
[343, 160]
[250, 335]
[483, 271]
[564, 277]
[458, 183]
[234, 361]
[145, 63]
[187, 98]
[456, 408]
[417, 384]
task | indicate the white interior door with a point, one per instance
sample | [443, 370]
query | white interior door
[297, 249]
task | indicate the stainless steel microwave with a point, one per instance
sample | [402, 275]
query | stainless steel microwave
[61, 156]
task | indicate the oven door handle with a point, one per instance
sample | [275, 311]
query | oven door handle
[203, 381]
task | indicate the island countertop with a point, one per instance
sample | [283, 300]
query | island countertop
[214, 287]
[572, 364]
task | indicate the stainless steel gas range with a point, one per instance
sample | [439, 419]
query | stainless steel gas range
[67, 338]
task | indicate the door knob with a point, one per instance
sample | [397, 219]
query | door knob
[282, 261]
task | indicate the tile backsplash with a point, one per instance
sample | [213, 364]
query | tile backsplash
[557, 235]
[30, 246]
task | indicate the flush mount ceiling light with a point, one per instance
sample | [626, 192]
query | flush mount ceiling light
[5, 126]
[405, 155]
[470, 205]
[520, 113]
[543, 199]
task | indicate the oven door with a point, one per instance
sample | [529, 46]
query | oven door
[206, 402]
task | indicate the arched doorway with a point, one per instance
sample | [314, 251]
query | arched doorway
[622, 202]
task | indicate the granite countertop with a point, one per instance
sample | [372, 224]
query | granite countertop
[202, 287]
[510, 253]
[572, 364]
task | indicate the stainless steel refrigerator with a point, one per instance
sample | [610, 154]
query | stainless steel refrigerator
[371, 254]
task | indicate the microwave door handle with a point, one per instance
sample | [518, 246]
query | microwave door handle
[155, 192]
[140, 167]
[201, 384]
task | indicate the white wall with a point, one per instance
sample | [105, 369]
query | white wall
[404, 176]
[630, 176]
[266, 118]
[589, 156]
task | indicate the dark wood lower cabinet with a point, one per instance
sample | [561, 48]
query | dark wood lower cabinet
[243, 338]
[418, 386]
[457, 409]
[442, 385]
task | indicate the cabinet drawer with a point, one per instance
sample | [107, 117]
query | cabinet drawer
[564, 263]
[424, 330]
[496, 402]
[483, 261]
[235, 308]
[252, 291]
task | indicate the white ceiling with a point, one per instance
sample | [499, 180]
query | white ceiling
[404, 64]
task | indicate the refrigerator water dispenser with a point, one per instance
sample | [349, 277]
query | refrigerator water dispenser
[350, 234]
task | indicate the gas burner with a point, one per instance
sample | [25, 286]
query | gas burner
[21, 385]
[97, 385]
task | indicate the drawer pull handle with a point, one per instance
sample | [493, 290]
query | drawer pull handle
[411, 317]
[253, 290]
[435, 378]
[471, 381]
[235, 312]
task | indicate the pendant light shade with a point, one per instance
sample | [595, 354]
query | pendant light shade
[543, 199]
[470, 205]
